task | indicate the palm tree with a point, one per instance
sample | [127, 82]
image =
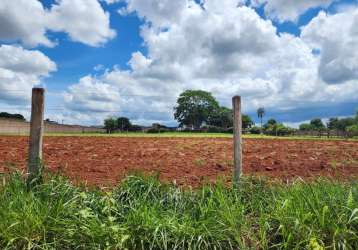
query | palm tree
[260, 114]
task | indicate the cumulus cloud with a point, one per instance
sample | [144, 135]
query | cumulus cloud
[227, 49]
[289, 10]
[336, 37]
[23, 20]
[27, 21]
[20, 70]
[158, 12]
[84, 20]
[91, 95]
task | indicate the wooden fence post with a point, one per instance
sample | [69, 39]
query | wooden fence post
[36, 133]
[236, 104]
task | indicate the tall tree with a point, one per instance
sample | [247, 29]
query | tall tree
[305, 127]
[123, 123]
[344, 123]
[194, 107]
[246, 122]
[260, 114]
[332, 123]
[271, 126]
[270, 122]
[110, 124]
[222, 117]
[317, 124]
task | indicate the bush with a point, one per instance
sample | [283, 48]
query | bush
[153, 131]
[255, 130]
[157, 130]
[353, 130]
[284, 131]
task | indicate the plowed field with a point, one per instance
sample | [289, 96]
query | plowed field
[187, 161]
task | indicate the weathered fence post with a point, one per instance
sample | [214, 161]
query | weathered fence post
[36, 133]
[236, 104]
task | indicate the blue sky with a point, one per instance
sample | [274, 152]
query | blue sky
[133, 57]
[75, 59]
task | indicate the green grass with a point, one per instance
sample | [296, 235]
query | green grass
[142, 213]
[191, 135]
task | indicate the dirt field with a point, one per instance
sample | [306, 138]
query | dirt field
[105, 160]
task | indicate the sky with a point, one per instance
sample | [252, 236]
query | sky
[100, 58]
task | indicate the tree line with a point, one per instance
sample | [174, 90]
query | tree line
[199, 111]
[12, 116]
[348, 125]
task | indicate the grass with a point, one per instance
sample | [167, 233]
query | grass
[192, 135]
[199, 162]
[142, 213]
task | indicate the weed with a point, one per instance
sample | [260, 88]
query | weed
[142, 213]
[199, 162]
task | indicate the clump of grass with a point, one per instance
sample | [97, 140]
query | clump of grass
[142, 213]
[199, 162]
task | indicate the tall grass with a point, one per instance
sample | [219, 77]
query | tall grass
[142, 213]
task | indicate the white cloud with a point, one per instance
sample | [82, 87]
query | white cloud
[223, 48]
[84, 20]
[28, 21]
[159, 12]
[111, 1]
[289, 10]
[336, 37]
[20, 70]
[92, 95]
[98, 67]
[23, 20]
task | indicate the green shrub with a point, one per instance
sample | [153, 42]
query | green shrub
[157, 130]
[212, 129]
[353, 130]
[255, 130]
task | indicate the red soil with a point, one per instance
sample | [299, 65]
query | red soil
[189, 161]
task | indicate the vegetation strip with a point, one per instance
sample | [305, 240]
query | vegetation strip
[142, 213]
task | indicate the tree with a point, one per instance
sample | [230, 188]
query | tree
[305, 127]
[344, 123]
[282, 130]
[317, 124]
[246, 122]
[333, 123]
[352, 130]
[12, 116]
[110, 124]
[222, 117]
[260, 114]
[194, 107]
[270, 123]
[123, 123]
[271, 127]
